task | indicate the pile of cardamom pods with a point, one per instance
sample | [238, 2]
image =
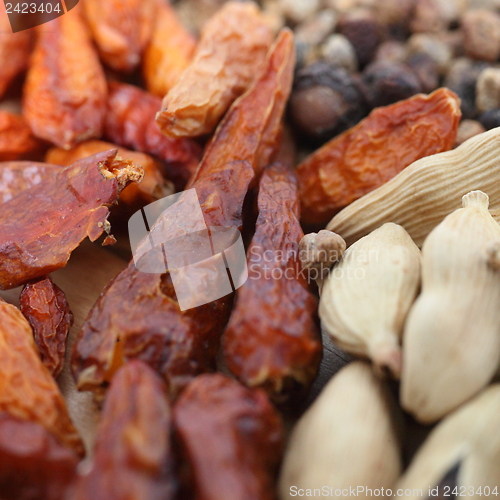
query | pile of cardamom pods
[416, 296]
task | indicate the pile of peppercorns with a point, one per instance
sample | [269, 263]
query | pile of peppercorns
[354, 55]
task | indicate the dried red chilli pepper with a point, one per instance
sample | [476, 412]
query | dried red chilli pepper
[272, 340]
[27, 389]
[364, 157]
[230, 439]
[33, 465]
[169, 51]
[152, 187]
[17, 142]
[65, 91]
[45, 307]
[229, 55]
[130, 122]
[121, 29]
[15, 49]
[138, 315]
[16, 176]
[287, 153]
[132, 456]
[63, 210]
[254, 121]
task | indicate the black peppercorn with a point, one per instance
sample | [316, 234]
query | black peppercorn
[325, 101]
[364, 32]
[490, 119]
[426, 70]
[388, 82]
[462, 78]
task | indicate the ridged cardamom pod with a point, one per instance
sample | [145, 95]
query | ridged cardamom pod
[347, 438]
[425, 192]
[468, 438]
[367, 295]
[451, 342]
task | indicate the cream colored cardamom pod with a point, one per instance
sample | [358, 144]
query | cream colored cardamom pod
[367, 295]
[347, 438]
[470, 437]
[451, 342]
[425, 192]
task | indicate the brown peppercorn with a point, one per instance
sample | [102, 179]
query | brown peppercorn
[325, 101]
[315, 29]
[454, 40]
[488, 89]
[432, 45]
[320, 251]
[426, 70]
[297, 11]
[338, 50]
[481, 34]
[361, 28]
[393, 12]
[387, 83]
[315, 109]
[427, 18]
[343, 6]
[468, 129]
[391, 51]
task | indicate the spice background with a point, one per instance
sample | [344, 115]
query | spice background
[316, 128]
